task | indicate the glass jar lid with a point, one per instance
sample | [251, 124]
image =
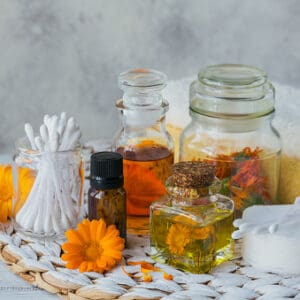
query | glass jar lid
[142, 78]
[142, 87]
[232, 91]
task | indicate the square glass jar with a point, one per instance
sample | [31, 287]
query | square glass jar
[190, 228]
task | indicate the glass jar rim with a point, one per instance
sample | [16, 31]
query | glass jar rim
[23, 146]
[236, 91]
[142, 88]
[142, 78]
[236, 76]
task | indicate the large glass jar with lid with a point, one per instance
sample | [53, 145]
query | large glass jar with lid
[231, 107]
[144, 142]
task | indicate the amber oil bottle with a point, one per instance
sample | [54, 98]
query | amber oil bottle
[107, 197]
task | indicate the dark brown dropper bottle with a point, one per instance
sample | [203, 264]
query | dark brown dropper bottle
[107, 197]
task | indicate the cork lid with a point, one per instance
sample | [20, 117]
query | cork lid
[193, 174]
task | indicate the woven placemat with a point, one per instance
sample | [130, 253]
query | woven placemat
[39, 263]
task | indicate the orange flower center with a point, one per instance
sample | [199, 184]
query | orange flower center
[92, 251]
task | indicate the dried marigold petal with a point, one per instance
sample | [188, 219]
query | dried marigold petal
[147, 277]
[146, 268]
[144, 265]
[168, 276]
[129, 274]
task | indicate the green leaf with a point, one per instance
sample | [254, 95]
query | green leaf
[254, 199]
[241, 156]
[225, 187]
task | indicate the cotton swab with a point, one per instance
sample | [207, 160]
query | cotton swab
[29, 132]
[52, 206]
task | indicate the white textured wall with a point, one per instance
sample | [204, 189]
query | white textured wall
[66, 54]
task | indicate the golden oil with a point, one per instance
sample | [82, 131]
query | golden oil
[192, 238]
[146, 167]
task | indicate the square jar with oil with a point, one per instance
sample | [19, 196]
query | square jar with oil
[191, 227]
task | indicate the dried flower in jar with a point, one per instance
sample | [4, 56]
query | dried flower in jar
[243, 177]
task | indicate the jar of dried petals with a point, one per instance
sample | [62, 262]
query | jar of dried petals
[231, 107]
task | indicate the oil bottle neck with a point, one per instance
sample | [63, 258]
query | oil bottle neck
[135, 99]
[142, 115]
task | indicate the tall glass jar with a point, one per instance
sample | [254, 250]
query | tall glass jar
[143, 141]
[231, 107]
[49, 188]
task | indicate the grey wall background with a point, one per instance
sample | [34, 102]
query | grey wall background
[65, 55]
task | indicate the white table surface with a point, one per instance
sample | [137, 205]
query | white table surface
[12, 287]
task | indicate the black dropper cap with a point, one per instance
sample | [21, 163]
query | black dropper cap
[106, 170]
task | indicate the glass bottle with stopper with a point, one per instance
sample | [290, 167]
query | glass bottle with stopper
[191, 226]
[143, 141]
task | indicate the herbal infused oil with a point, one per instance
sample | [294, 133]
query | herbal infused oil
[145, 144]
[193, 239]
[146, 167]
[191, 228]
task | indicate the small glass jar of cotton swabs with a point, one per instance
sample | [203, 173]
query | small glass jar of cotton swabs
[49, 178]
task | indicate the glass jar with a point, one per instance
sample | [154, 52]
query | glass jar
[190, 228]
[143, 141]
[49, 188]
[232, 107]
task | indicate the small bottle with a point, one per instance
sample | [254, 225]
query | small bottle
[107, 197]
[191, 226]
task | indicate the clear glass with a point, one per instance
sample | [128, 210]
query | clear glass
[144, 142]
[232, 107]
[191, 228]
[49, 188]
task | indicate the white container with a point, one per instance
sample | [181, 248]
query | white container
[271, 237]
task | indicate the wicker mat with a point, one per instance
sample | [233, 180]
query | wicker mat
[39, 263]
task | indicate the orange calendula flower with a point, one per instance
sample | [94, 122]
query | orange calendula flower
[177, 238]
[93, 247]
[6, 192]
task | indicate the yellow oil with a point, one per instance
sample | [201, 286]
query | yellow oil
[192, 238]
